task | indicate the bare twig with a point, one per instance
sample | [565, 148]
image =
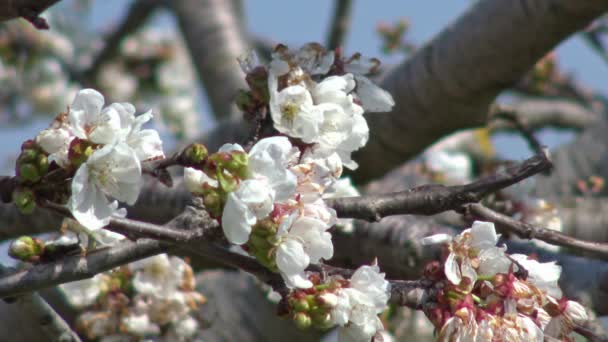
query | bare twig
[434, 198]
[528, 231]
[339, 23]
[29, 10]
[509, 114]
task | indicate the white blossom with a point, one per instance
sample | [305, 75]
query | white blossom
[542, 275]
[83, 293]
[270, 181]
[359, 305]
[113, 170]
[304, 240]
[253, 200]
[454, 166]
[89, 122]
[140, 325]
[158, 276]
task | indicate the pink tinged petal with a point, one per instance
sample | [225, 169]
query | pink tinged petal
[237, 220]
[452, 269]
[483, 235]
[436, 239]
[194, 180]
[576, 312]
[373, 98]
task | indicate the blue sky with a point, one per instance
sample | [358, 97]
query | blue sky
[297, 22]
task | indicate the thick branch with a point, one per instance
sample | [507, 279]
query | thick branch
[435, 198]
[41, 313]
[215, 40]
[449, 84]
[339, 23]
[30, 10]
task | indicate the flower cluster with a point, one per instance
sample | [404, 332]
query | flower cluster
[101, 149]
[270, 198]
[353, 304]
[154, 297]
[490, 295]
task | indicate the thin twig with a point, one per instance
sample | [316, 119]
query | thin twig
[527, 231]
[434, 198]
[138, 229]
[136, 16]
[509, 114]
[339, 23]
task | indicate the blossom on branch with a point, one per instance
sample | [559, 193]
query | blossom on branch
[487, 294]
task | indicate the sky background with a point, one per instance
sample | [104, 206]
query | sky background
[298, 22]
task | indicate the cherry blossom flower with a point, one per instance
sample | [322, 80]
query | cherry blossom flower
[158, 276]
[83, 293]
[270, 181]
[304, 240]
[359, 304]
[113, 170]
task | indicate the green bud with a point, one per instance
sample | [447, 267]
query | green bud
[213, 203]
[322, 319]
[43, 163]
[228, 183]
[25, 200]
[265, 228]
[29, 173]
[26, 248]
[194, 154]
[79, 152]
[300, 304]
[27, 156]
[258, 243]
[237, 165]
[302, 320]
[244, 101]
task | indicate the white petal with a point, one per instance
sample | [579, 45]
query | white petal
[231, 147]
[436, 239]
[483, 235]
[237, 220]
[452, 269]
[373, 98]
[88, 204]
[194, 180]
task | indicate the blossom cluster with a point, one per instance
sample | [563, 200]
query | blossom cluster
[31, 67]
[353, 304]
[150, 298]
[100, 149]
[488, 294]
[270, 198]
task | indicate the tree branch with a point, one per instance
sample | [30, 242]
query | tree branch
[527, 231]
[29, 10]
[339, 24]
[215, 40]
[136, 16]
[41, 313]
[435, 198]
[450, 83]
